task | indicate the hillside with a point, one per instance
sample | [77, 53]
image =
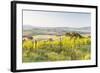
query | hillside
[54, 30]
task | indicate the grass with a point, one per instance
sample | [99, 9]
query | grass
[62, 48]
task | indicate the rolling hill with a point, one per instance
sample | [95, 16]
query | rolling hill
[27, 29]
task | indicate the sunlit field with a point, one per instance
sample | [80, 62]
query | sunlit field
[43, 48]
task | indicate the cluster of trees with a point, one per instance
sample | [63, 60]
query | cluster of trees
[74, 34]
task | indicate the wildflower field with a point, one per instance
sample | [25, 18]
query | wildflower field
[56, 48]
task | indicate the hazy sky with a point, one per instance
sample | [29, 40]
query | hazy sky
[56, 19]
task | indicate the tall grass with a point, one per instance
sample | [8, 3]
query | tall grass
[64, 48]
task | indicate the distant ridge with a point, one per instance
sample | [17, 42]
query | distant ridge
[55, 30]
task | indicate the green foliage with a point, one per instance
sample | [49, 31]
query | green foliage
[55, 50]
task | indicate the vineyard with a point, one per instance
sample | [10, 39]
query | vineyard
[56, 48]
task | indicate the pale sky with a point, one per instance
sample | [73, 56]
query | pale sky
[56, 19]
